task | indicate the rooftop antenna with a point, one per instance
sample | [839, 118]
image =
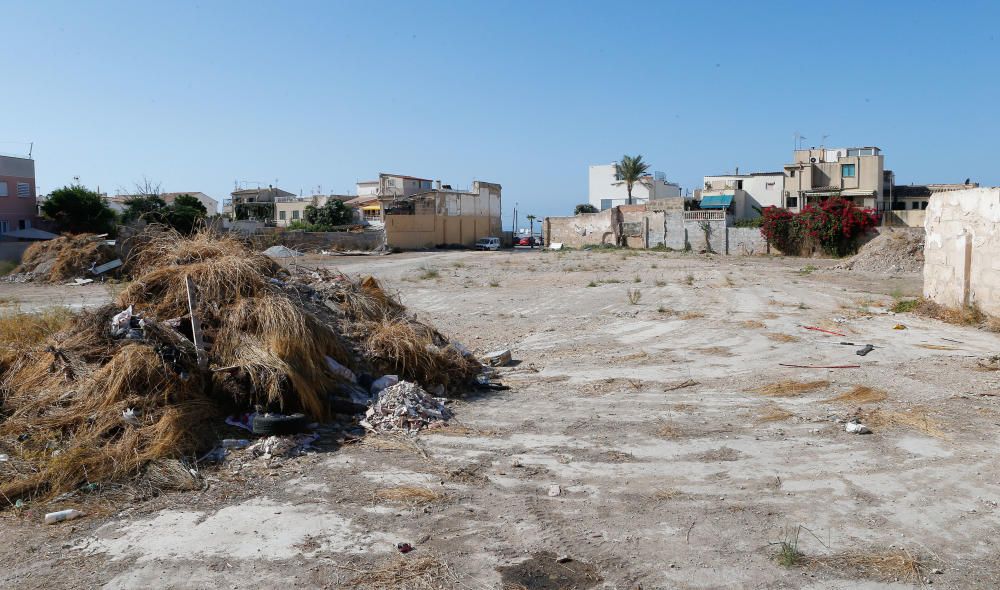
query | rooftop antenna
[31, 147]
[822, 141]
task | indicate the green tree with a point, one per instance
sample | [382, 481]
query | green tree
[328, 216]
[531, 230]
[631, 169]
[148, 208]
[584, 208]
[75, 209]
[185, 213]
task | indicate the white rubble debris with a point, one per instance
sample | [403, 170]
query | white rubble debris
[276, 446]
[855, 427]
[404, 407]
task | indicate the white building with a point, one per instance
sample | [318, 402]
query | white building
[607, 190]
[742, 193]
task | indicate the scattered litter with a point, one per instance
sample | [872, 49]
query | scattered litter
[899, 327]
[383, 382]
[244, 421]
[856, 427]
[129, 417]
[270, 424]
[121, 322]
[497, 358]
[404, 407]
[820, 366]
[234, 443]
[54, 517]
[281, 252]
[4, 458]
[280, 446]
[555, 490]
[555, 246]
[863, 351]
[99, 269]
[817, 329]
[340, 370]
[404, 547]
[77, 282]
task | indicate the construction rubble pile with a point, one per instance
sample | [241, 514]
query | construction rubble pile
[404, 407]
[892, 251]
[64, 258]
[208, 329]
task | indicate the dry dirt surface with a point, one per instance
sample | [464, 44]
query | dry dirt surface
[651, 440]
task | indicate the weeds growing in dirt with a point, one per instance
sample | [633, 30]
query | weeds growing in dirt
[807, 270]
[592, 284]
[790, 388]
[860, 394]
[904, 305]
[782, 337]
[692, 315]
[408, 495]
[788, 550]
[665, 310]
[637, 279]
[494, 283]
[689, 280]
[634, 295]
[427, 273]
[661, 283]
[774, 414]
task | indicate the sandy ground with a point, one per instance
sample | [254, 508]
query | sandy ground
[673, 469]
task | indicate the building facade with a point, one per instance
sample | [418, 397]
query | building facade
[18, 208]
[254, 203]
[288, 210]
[211, 205]
[742, 194]
[607, 190]
[856, 174]
[442, 216]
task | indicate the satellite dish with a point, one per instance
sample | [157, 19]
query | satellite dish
[813, 160]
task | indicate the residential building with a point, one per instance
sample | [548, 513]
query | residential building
[18, 209]
[856, 174]
[254, 203]
[442, 216]
[742, 195]
[368, 207]
[291, 209]
[367, 187]
[607, 189]
[372, 193]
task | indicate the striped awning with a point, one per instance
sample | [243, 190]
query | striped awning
[716, 201]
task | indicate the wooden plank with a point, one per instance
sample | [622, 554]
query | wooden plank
[199, 343]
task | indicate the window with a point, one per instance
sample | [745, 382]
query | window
[23, 190]
[847, 170]
[3, 188]
[791, 174]
[3, 227]
[606, 204]
[281, 215]
[914, 205]
[792, 202]
[295, 214]
[21, 224]
[739, 185]
[923, 205]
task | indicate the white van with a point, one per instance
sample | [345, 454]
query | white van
[488, 244]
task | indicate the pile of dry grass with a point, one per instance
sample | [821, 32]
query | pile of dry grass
[414, 573]
[65, 382]
[64, 258]
[917, 418]
[963, 316]
[860, 394]
[790, 388]
[895, 565]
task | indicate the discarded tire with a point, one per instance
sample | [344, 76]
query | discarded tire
[269, 424]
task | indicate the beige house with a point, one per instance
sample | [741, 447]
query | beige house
[442, 216]
[856, 174]
[291, 209]
[254, 203]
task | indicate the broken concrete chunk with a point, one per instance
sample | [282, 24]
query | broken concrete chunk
[497, 358]
[855, 427]
[555, 490]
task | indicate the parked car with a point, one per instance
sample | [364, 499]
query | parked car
[488, 244]
[529, 241]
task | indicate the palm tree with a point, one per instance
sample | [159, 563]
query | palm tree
[531, 231]
[631, 169]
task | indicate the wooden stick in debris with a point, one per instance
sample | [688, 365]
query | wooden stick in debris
[199, 343]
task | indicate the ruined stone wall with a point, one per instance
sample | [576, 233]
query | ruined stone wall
[962, 249]
[585, 229]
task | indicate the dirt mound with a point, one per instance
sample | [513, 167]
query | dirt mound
[64, 258]
[891, 251]
[127, 386]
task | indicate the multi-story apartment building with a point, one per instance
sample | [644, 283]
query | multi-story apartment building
[607, 189]
[18, 209]
[254, 203]
[856, 174]
[742, 194]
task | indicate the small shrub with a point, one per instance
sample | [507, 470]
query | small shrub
[634, 295]
[807, 270]
[689, 280]
[428, 273]
[904, 305]
[494, 283]
[661, 283]
[592, 284]
[637, 279]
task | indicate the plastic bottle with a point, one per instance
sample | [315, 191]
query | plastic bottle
[54, 517]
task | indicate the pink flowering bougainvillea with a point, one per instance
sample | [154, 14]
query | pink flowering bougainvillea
[832, 224]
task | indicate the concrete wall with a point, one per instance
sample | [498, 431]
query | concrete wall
[585, 229]
[745, 241]
[316, 241]
[13, 251]
[907, 218]
[962, 249]
[412, 232]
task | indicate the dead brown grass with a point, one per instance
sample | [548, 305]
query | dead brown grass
[402, 571]
[691, 315]
[773, 414]
[937, 346]
[963, 316]
[408, 495]
[752, 324]
[782, 337]
[790, 388]
[881, 565]
[860, 394]
[916, 418]
[23, 329]
[65, 257]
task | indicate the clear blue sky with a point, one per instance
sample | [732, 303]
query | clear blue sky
[527, 94]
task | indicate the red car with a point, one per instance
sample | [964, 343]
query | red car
[528, 241]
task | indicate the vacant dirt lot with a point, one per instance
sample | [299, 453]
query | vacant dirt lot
[648, 441]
